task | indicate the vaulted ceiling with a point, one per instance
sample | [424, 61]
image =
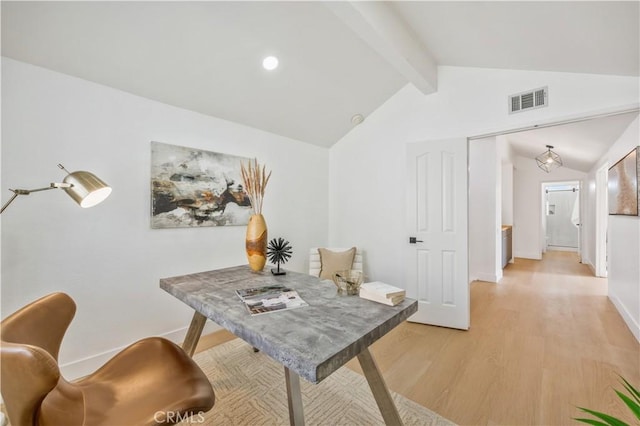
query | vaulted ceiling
[337, 59]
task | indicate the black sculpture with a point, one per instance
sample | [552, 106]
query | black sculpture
[278, 251]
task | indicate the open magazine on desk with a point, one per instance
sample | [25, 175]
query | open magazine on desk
[272, 298]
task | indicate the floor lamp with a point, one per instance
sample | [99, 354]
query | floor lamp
[85, 188]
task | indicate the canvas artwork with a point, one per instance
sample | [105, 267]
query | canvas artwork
[623, 185]
[196, 188]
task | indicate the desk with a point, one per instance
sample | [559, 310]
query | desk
[311, 341]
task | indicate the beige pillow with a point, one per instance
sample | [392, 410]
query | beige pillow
[333, 261]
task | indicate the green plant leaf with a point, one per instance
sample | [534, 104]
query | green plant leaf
[591, 421]
[633, 405]
[610, 420]
[634, 393]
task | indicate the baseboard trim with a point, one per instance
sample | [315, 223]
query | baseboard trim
[84, 366]
[528, 255]
[562, 248]
[634, 327]
[488, 277]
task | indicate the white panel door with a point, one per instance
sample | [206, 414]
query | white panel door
[437, 242]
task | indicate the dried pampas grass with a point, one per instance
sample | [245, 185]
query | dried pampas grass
[255, 179]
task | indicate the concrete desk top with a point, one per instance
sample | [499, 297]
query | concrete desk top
[312, 341]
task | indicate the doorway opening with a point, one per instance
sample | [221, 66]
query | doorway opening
[561, 216]
[521, 205]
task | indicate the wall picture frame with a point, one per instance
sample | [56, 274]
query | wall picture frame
[193, 188]
[623, 190]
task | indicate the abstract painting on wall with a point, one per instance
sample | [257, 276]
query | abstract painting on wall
[623, 185]
[195, 188]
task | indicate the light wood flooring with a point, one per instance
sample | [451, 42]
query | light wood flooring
[543, 341]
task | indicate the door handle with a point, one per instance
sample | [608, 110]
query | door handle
[412, 240]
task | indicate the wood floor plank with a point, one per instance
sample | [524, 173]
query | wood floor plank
[518, 381]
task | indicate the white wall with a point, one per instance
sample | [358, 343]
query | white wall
[107, 258]
[623, 248]
[507, 194]
[485, 195]
[589, 220]
[507, 156]
[368, 166]
[528, 235]
[596, 216]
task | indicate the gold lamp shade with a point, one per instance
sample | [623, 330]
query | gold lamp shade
[86, 188]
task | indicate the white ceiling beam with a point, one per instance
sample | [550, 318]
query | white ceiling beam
[380, 26]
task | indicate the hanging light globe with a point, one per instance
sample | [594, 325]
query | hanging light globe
[549, 160]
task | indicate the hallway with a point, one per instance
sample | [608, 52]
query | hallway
[543, 341]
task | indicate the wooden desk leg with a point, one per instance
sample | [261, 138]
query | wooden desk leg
[379, 389]
[294, 397]
[194, 332]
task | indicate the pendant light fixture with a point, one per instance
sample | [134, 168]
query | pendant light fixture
[549, 160]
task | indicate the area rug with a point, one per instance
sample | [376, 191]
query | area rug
[250, 390]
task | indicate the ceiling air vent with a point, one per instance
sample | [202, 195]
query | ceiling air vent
[531, 99]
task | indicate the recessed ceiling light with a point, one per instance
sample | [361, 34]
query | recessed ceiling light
[270, 63]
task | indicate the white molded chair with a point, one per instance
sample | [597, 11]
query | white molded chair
[315, 265]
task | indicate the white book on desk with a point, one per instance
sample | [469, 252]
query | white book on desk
[393, 301]
[382, 289]
[382, 293]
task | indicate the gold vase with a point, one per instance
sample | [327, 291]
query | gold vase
[256, 242]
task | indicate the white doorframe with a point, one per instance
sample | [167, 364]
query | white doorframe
[581, 212]
[602, 217]
[543, 219]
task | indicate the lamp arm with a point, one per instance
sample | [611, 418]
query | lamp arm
[17, 192]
